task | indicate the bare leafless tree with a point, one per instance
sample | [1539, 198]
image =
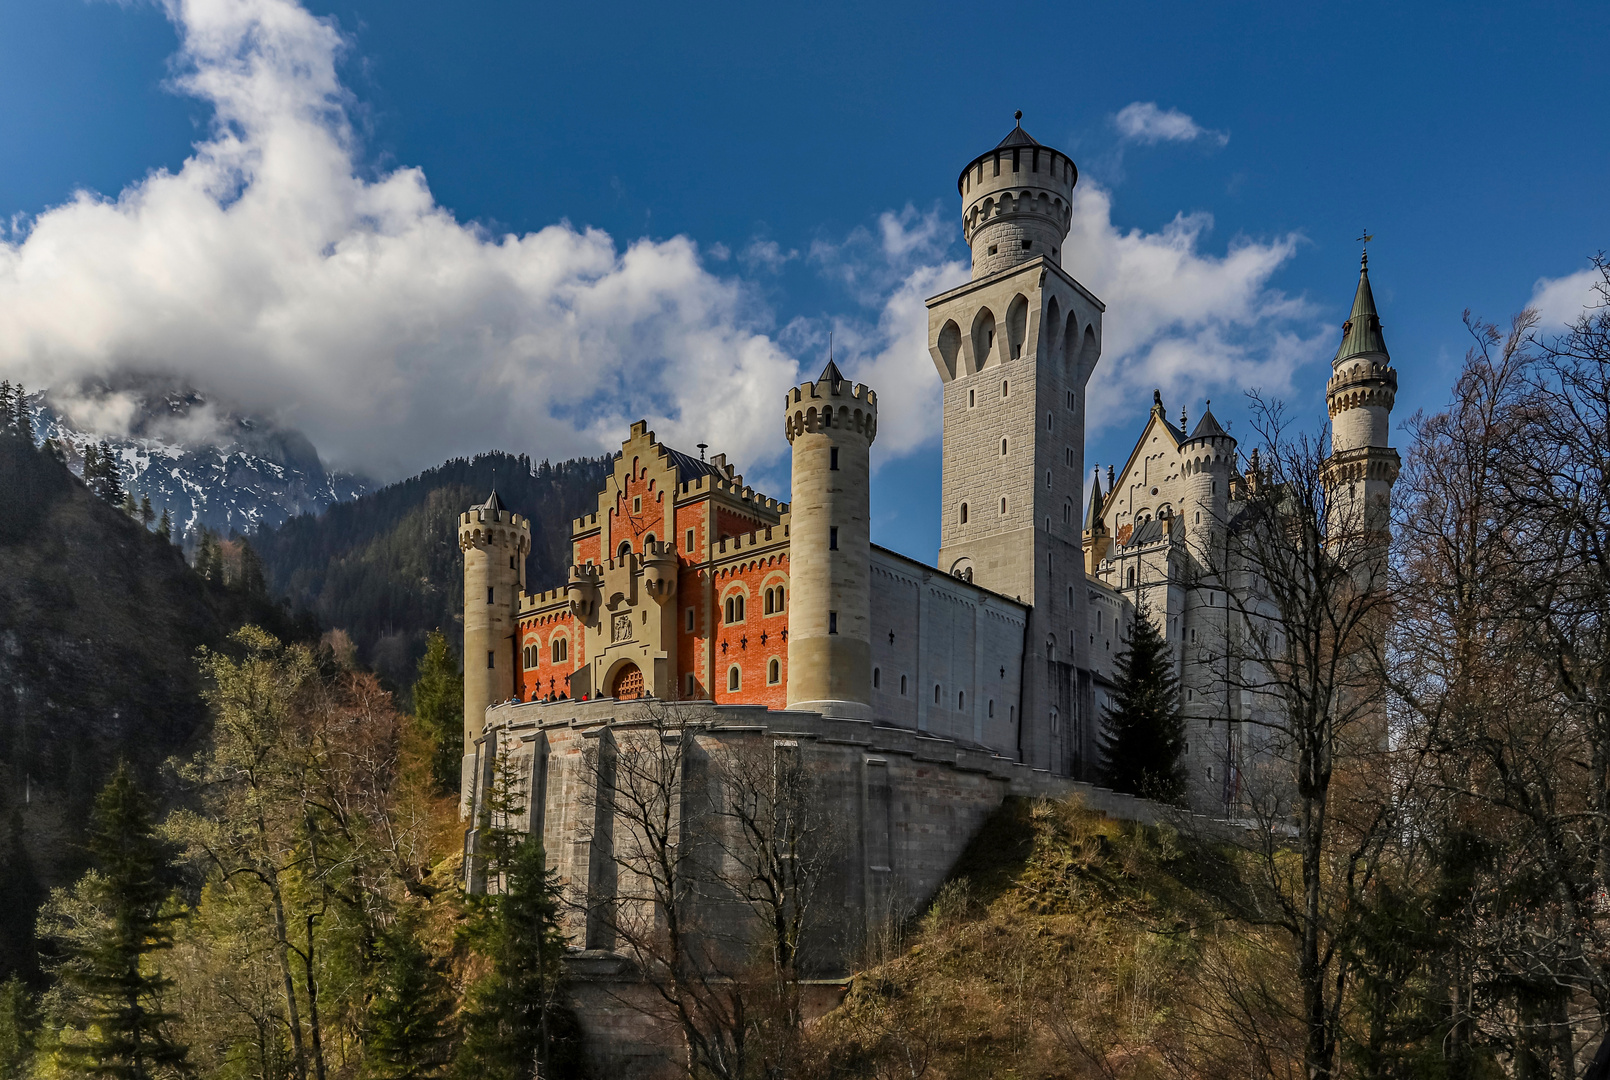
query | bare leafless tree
[708, 853]
[1302, 573]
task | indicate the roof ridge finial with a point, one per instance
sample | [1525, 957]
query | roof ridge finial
[1018, 116]
[1364, 237]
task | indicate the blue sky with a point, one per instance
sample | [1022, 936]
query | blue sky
[310, 216]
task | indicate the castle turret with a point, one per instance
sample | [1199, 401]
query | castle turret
[1096, 541]
[1363, 385]
[830, 426]
[1016, 202]
[495, 542]
[1207, 459]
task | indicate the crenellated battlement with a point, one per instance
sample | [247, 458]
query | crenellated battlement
[830, 404]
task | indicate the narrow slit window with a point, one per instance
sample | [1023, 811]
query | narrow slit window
[832, 622]
[833, 458]
[833, 538]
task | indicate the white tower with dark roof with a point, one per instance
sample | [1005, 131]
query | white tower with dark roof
[1014, 348]
[1360, 394]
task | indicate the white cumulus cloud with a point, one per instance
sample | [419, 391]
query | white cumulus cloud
[276, 268]
[1144, 122]
[271, 270]
[1561, 301]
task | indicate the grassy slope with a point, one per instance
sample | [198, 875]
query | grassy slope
[1064, 945]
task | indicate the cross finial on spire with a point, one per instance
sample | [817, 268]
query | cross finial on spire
[1364, 237]
[1183, 423]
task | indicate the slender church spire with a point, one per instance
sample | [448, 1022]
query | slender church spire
[1361, 333]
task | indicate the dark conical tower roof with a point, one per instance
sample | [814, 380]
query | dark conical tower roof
[1208, 426]
[1093, 515]
[1361, 333]
[1017, 136]
[831, 372]
[493, 503]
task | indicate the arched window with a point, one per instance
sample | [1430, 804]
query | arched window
[768, 608]
[774, 672]
[1004, 388]
[560, 650]
[781, 602]
[1003, 447]
[961, 700]
[1003, 504]
[992, 708]
[735, 608]
[902, 686]
[1055, 717]
[624, 550]
[964, 514]
[1129, 577]
[877, 678]
[734, 679]
[648, 541]
[936, 693]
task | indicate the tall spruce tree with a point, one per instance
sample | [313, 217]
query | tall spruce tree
[439, 707]
[165, 525]
[515, 1027]
[125, 1027]
[408, 1030]
[1143, 740]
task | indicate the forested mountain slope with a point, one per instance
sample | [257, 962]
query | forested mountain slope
[386, 567]
[100, 621]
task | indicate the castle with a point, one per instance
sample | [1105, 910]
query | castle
[925, 692]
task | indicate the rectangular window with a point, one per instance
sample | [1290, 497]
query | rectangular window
[832, 538]
[491, 659]
[489, 594]
[833, 458]
[690, 620]
[690, 540]
[693, 686]
[832, 622]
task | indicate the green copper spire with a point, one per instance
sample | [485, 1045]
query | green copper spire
[1361, 333]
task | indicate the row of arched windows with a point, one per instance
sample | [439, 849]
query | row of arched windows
[772, 603]
[559, 652]
[735, 676]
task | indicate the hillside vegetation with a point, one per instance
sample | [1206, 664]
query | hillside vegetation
[1063, 945]
[386, 568]
[100, 620]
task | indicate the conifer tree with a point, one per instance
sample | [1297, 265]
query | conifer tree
[108, 485]
[19, 1029]
[251, 581]
[439, 707]
[147, 515]
[129, 506]
[408, 1014]
[125, 1026]
[165, 525]
[514, 1027]
[1143, 739]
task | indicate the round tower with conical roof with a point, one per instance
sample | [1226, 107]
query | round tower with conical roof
[495, 542]
[1016, 202]
[830, 426]
[1360, 393]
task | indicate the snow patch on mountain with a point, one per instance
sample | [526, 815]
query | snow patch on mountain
[203, 461]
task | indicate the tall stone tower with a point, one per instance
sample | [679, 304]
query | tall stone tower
[495, 542]
[1014, 348]
[1360, 393]
[830, 426]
